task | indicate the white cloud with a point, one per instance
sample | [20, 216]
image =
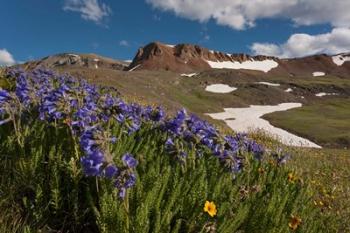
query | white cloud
[299, 45]
[124, 43]
[240, 14]
[91, 10]
[6, 58]
[266, 49]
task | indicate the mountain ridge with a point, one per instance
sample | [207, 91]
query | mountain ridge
[184, 57]
[90, 60]
[189, 58]
[193, 58]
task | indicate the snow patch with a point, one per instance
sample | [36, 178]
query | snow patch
[324, 94]
[73, 55]
[318, 74]
[96, 66]
[270, 84]
[288, 90]
[220, 88]
[170, 45]
[96, 60]
[134, 68]
[340, 59]
[189, 75]
[246, 119]
[265, 65]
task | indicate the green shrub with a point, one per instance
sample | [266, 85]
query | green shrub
[59, 136]
[43, 187]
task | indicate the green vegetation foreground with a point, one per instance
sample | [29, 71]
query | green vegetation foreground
[77, 158]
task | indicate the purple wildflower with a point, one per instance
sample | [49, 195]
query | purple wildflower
[129, 160]
[110, 171]
[130, 181]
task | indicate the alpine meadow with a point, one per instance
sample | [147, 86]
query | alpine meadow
[175, 116]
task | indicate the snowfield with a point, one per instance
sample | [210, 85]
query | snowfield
[324, 94]
[247, 119]
[220, 88]
[96, 60]
[264, 66]
[270, 84]
[189, 75]
[340, 59]
[134, 68]
[73, 55]
[318, 74]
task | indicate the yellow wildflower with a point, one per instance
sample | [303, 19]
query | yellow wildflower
[261, 170]
[210, 208]
[292, 178]
[321, 203]
[294, 222]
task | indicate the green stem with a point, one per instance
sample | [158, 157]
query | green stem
[126, 207]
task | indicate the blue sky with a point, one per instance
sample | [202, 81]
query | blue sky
[33, 29]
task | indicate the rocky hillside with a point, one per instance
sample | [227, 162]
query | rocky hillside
[65, 60]
[180, 76]
[192, 58]
[186, 57]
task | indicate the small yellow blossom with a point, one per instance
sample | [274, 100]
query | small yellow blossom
[261, 170]
[294, 222]
[321, 203]
[210, 208]
[292, 178]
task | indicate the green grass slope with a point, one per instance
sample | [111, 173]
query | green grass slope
[326, 122]
[58, 142]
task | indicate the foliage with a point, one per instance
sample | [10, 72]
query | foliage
[76, 158]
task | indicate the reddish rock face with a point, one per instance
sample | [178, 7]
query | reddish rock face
[193, 58]
[183, 57]
[157, 56]
[187, 58]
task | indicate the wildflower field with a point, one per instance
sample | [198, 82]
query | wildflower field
[75, 157]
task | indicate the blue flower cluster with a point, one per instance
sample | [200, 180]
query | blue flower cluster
[87, 110]
[190, 129]
[5, 97]
[5, 103]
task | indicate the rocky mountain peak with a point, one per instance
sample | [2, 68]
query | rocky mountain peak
[185, 57]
